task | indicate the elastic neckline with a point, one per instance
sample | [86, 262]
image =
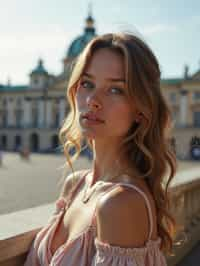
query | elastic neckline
[113, 185]
[92, 226]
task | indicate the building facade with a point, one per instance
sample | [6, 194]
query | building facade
[30, 116]
[183, 97]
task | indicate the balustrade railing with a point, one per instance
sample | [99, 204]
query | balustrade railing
[185, 206]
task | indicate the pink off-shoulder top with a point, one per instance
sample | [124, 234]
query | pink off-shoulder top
[86, 249]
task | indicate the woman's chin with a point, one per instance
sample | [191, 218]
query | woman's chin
[90, 134]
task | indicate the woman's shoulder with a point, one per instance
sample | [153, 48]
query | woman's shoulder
[123, 190]
[131, 197]
[128, 210]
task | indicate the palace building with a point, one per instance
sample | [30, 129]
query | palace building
[183, 96]
[30, 116]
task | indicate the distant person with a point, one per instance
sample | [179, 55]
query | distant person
[114, 214]
[24, 153]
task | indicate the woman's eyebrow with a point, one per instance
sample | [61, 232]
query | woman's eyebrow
[110, 79]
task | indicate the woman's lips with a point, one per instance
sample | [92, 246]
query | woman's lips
[91, 121]
[92, 117]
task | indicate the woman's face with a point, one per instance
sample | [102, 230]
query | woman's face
[101, 92]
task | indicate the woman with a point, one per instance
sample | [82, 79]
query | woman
[117, 212]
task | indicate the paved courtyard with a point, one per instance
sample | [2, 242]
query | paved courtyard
[25, 184]
[36, 182]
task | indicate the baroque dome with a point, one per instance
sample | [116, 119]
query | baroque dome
[80, 42]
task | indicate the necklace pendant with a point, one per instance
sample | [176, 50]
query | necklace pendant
[87, 194]
[85, 199]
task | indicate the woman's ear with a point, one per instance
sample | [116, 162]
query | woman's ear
[138, 118]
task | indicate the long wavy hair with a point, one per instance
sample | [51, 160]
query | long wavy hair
[147, 143]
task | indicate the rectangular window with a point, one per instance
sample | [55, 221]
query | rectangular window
[19, 102]
[197, 119]
[172, 97]
[19, 113]
[196, 96]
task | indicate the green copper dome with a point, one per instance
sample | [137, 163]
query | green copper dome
[79, 43]
[39, 69]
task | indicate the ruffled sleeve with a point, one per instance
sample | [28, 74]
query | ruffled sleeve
[109, 255]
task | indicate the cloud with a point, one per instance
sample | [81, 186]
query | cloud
[25, 42]
[146, 30]
[19, 51]
[158, 29]
[192, 22]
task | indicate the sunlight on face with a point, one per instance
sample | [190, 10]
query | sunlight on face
[102, 92]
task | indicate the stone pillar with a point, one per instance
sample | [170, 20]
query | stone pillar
[62, 105]
[49, 118]
[27, 122]
[11, 114]
[183, 108]
[41, 113]
[1, 116]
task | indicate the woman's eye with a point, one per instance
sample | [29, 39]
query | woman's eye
[86, 84]
[117, 90]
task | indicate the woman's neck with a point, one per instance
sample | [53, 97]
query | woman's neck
[113, 171]
[109, 164]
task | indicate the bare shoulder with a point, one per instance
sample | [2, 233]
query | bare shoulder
[122, 218]
[70, 181]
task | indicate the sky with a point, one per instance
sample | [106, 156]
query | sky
[33, 29]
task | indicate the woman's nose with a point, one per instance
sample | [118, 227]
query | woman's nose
[93, 102]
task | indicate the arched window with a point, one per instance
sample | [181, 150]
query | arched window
[195, 148]
[34, 142]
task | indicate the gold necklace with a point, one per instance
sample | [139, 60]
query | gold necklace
[87, 195]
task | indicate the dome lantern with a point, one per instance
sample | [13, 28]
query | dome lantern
[39, 69]
[39, 76]
[89, 20]
[80, 42]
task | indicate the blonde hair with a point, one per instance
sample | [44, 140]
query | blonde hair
[147, 143]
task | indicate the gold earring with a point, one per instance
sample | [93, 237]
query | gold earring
[139, 118]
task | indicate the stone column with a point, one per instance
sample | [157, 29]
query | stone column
[49, 118]
[11, 113]
[41, 113]
[1, 116]
[183, 108]
[62, 105]
[27, 121]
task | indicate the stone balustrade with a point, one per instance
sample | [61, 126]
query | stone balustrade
[185, 206]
